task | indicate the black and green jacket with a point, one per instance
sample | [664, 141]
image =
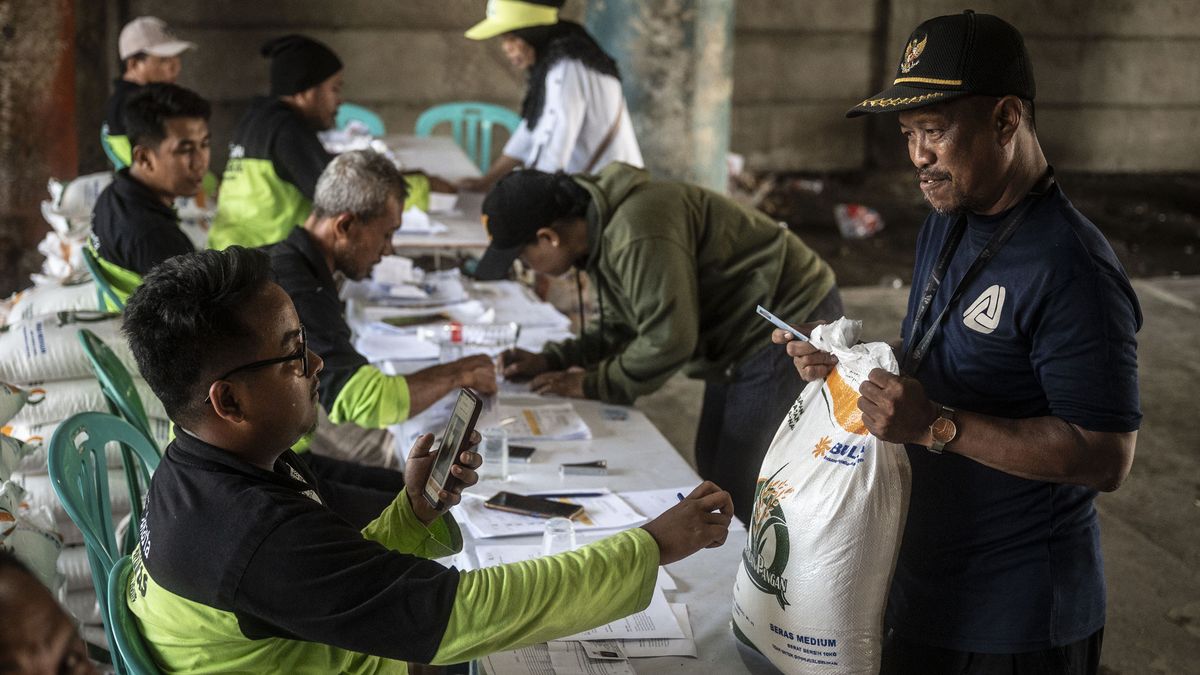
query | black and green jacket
[275, 158]
[132, 232]
[679, 270]
[240, 569]
[352, 390]
[112, 133]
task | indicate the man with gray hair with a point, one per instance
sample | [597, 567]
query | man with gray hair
[356, 209]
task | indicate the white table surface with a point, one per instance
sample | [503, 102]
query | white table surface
[640, 458]
[441, 156]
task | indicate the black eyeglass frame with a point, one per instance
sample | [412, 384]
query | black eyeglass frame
[255, 365]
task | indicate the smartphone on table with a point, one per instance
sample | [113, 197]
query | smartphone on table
[532, 506]
[520, 453]
[781, 324]
[455, 439]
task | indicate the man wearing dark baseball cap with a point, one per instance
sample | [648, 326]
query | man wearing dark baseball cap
[678, 271]
[1018, 401]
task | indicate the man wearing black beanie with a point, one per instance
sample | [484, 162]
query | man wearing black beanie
[275, 156]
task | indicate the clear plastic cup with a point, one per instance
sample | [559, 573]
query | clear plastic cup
[494, 448]
[558, 537]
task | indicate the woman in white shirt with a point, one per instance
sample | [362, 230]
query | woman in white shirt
[574, 117]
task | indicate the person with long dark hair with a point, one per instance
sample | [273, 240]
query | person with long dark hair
[573, 116]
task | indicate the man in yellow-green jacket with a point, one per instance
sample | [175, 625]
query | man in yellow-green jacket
[134, 223]
[276, 156]
[355, 213]
[243, 566]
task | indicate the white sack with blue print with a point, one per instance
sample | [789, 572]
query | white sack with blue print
[829, 512]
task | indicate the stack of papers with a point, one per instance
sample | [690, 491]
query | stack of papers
[552, 422]
[602, 510]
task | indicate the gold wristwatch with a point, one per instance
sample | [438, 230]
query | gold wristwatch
[943, 429]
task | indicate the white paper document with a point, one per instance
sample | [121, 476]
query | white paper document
[651, 503]
[539, 660]
[656, 621]
[551, 422]
[605, 511]
[663, 647]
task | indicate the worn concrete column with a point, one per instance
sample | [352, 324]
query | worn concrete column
[676, 60]
[37, 124]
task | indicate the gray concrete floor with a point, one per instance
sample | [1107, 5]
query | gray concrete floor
[1150, 526]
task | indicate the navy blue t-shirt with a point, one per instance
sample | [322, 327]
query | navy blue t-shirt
[991, 562]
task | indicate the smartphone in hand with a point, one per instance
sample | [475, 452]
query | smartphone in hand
[780, 323]
[455, 439]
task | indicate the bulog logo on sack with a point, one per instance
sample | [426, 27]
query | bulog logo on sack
[766, 555]
[842, 405]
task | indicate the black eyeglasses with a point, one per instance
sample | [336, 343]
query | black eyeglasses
[301, 356]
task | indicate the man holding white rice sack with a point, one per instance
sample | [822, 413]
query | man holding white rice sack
[1019, 400]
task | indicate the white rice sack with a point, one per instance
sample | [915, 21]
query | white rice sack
[69, 210]
[36, 438]
[63, 263]
[11, 400]
[59, 399]
[48, 349]
[40, 493]
[13, 455]
[829, 511]
[43, 301]
[74, 568]
[82, 605]
[29, 534]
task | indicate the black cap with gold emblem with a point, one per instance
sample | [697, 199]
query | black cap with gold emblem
[956, 55]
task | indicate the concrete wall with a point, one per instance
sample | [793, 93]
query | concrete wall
[1118, 85]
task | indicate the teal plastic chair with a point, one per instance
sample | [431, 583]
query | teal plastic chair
[125, 402]
[471, 122]
[129, 643]
[348, 112]
[104, 290]
[78, 467]
[122, 396]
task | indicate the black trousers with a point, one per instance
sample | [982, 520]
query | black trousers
[356, 492]
[904, 657]
[739, 418]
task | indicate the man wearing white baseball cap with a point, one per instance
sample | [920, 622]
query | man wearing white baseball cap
[149, 53]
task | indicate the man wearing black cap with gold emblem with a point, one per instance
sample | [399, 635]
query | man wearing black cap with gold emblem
[1018, 401]
[275, 156]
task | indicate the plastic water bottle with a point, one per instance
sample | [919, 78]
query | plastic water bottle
[450, 343]
[474, 334]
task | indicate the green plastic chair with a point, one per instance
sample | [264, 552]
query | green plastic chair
[78, 467]
[129, 643]
[348, 112]
[471, 122]
[123, 398]
[125, 402]
[104, 290]
[111, 154]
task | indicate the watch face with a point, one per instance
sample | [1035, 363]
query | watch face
[943, 430]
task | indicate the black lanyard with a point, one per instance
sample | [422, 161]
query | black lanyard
[914, 355]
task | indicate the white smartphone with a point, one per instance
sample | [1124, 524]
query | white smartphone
[781, 324]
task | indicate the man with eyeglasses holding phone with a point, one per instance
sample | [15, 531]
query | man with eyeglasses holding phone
[243, 563]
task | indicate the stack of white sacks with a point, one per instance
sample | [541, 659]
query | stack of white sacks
[43, 358]
[45, 378]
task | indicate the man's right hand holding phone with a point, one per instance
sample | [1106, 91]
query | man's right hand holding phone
[420, 463]
[810, 362]
[700, 520]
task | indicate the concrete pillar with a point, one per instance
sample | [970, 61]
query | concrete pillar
[37, 124]
[676, 60]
